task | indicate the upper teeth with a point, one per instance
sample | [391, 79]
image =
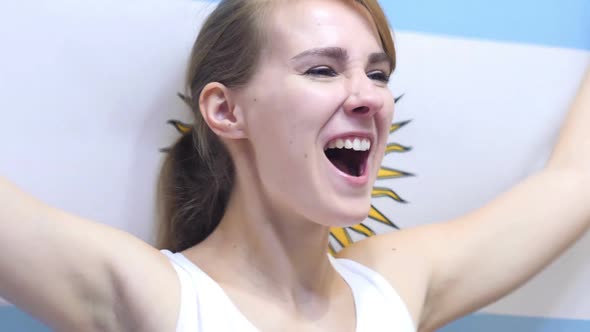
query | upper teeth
[357, 144]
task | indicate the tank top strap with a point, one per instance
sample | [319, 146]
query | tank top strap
[189, 300]
[378, 306]
[204, 305]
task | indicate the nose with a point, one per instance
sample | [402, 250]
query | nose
[364, 98]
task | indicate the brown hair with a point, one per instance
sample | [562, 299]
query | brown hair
[198, 173]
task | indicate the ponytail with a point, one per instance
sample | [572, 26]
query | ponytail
[193, 190]
[198, 173]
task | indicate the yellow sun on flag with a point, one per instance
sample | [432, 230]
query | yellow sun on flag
[341, 236]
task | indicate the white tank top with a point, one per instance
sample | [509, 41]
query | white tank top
[205, 307]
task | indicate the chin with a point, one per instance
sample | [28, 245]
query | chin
[347, 215]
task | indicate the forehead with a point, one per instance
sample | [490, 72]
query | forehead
[295, 26]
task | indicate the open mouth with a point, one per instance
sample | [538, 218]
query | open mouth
[349, 155]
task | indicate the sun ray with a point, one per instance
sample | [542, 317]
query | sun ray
[390, 173]
[181, 127]
[395, 147]
[331, 249]
[186, 99]
[362, 229]
[376, 215]
[341, 236]
[386, 192]
[397, 126]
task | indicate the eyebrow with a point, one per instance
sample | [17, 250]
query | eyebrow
[381, 57]
[341, 55]
[337, 53]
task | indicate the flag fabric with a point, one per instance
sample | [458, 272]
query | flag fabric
[86, 89]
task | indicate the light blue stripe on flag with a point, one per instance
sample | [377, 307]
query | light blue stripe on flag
[496, 323]
[555, 23]
[13, 320]
[544, 22]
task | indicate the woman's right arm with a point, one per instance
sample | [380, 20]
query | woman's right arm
[76, 275]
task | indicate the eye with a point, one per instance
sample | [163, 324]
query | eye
[321, 71]
[379, 76]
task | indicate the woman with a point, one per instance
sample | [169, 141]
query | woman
[299, 88]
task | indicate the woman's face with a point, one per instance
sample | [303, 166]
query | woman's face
[318, 110]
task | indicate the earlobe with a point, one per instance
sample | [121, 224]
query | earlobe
[220, 112]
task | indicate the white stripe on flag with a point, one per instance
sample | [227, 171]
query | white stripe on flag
[484, 115]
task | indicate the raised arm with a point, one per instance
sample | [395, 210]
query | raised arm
[572, 150]
[446, 270]
[73, 274]
[484, 255]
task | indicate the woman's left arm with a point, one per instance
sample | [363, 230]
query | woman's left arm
[572, 150]
[450, 269]
[480, 257]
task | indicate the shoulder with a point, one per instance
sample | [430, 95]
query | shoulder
[400, 258]
[146, 287]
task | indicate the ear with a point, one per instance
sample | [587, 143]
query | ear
[220, 112]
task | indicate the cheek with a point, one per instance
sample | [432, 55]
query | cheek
[301, 108]
[387, 114]
[278, 133]
[290, 114]
[389, 105]
[385, 117]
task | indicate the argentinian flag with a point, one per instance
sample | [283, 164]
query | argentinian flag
[486, 85]
[86, 89]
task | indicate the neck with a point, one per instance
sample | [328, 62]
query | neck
[280, 252]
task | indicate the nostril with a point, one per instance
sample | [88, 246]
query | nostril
[361, 110]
